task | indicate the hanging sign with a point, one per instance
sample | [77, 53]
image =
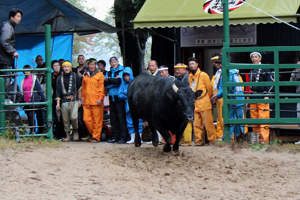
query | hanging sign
[240, 35]
[216, 7]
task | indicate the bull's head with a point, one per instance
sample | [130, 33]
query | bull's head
[185, 100]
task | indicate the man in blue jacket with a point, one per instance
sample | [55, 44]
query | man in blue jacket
[127, 78]
[112, 83]
[236, 110]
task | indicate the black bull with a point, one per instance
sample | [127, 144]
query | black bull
[167, 105]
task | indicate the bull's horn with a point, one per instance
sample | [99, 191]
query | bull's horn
[175, 88]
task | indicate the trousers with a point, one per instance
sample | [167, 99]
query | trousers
[118, 120]
[93, 119]
[6, 78]
[220, 123]
[70, 115]
[257, 112]
[204, 119]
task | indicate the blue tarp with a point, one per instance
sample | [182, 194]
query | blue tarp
[29, 46]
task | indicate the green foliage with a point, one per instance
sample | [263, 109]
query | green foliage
[277, 141]
[79, 5]
[97, 45]
[10, 134]
[82, 44]
[107, 42]
[257, 147]
[8, 139]
[28, 143]
[126, 10]
[277, 146]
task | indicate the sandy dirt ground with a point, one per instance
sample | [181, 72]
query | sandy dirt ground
[82, 170]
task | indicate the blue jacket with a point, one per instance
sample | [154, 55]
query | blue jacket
[113, 83]
[124, 86]
[234, 78]
[123, 96]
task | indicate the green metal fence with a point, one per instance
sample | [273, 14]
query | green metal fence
[275, 98]
[48, 102]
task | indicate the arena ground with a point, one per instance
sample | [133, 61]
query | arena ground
[82, 170]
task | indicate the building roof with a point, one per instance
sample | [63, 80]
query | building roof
[183, 13]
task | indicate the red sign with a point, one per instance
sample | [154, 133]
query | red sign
[216, 7]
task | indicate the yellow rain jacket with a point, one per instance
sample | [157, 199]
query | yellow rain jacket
[202, 81]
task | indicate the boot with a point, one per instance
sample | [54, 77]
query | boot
[86, 138]
[67, 139]
[132, 137]
[141, 138]
[160, 138]
[75, 135]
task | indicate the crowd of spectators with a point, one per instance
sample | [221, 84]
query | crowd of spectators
[78, 95]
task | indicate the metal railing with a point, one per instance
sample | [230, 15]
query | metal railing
[48, 102]
[275, 97]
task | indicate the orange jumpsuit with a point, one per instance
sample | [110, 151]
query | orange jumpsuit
[219, 103]
[92, 91]
[203, 108]
[261, 111]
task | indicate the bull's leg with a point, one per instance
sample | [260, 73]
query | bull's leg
[135, 120]
[166, 135]
[167, 147]
[154, 135]
[178, 138]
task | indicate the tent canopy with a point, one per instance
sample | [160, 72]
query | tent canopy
[60, 14]
[177, 13]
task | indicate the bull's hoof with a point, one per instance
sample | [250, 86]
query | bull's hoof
[167, 148]
[137, 145]
[155, 143]
[176, 149]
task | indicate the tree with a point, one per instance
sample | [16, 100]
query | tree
[132, 42]
[82, 45]
[95, 45]
[108, 42]
[101, 44]
[163, 40]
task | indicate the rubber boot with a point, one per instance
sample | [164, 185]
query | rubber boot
[86, 138]
[141, 138]
[75, 135]
[160, 138]
[132, 137]
[67, 139]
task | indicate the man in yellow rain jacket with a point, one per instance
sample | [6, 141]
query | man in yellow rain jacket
[92, 96]
[215, 81]
[203, 108]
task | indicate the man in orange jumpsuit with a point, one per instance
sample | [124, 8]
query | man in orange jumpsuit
[260, 110]
[92, 97]
[203, 108]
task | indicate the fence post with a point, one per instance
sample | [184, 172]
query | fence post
[2, 99]
[48, 81]
[225, 58]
